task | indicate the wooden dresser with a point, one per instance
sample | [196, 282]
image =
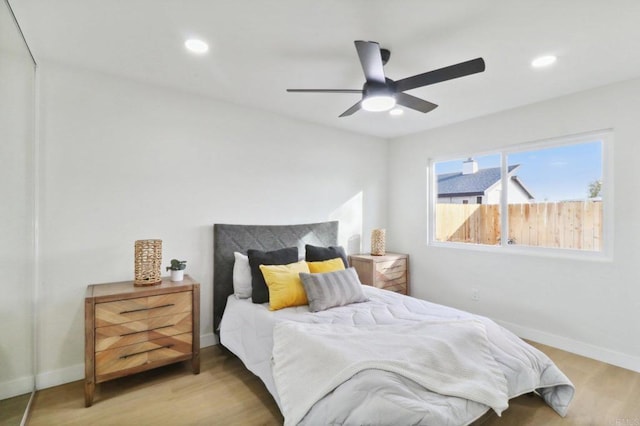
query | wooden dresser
[390, 272]
[131, 329]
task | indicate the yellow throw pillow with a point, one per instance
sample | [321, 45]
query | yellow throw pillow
[285, 286]
[330, 265]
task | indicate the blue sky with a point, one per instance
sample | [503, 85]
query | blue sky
[551, 174]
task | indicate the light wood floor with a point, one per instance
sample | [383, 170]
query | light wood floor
[225, 393]
[12, 409]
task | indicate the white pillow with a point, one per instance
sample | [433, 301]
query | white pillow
[241, 276]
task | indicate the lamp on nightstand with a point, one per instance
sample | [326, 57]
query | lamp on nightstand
[378, 240]
[148, 259]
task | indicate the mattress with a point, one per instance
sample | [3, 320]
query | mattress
[247, 330]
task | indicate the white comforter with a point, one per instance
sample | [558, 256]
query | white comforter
[378, 396]
[448, 357]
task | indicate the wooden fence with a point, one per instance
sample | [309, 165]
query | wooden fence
[567, 224]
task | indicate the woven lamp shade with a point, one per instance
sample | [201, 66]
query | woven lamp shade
[148, 262]
[378, 242]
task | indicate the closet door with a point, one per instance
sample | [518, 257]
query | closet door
[17, 207]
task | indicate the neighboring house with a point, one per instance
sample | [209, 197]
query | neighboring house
[480, 186]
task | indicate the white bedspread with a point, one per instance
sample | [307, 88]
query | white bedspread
[448, 357]
[380, 397]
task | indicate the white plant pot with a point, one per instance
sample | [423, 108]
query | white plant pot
[177, 275]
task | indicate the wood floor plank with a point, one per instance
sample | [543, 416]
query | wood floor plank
[226, 393]
[606, 395]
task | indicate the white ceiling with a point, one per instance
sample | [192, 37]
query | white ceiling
[259, 48]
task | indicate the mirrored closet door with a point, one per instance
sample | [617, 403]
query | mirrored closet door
[17, 201]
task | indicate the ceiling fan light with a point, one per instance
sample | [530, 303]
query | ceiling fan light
[378, 103]
[543, 61]
[396, 111]
[197, 46]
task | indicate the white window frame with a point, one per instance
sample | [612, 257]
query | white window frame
[606, 254]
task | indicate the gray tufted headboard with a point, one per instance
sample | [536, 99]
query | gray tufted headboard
[230, 238]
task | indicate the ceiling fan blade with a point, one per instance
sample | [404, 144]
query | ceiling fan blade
[351, 110]
[324, 90]
[443, 74]
[414, 103]
[371, 60]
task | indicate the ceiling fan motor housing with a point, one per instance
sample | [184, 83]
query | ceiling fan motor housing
[372, 88]
[385, 54]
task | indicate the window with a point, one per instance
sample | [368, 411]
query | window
[542, 196]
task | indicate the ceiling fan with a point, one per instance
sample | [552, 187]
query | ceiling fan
[380, 93]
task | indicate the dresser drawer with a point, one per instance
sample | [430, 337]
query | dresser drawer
[129, 357]
[141, 308]
[128, 333]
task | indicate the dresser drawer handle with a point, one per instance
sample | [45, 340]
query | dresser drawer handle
[148, 350]
[144, 331]
[146, 309]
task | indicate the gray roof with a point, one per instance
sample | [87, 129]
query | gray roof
[457, 184]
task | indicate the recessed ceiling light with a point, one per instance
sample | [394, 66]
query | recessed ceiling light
[196, 46]
[396, 111]
[543, 61]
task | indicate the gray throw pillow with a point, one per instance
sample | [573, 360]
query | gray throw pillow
[332, 289]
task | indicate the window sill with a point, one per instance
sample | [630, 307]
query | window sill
[592, 256]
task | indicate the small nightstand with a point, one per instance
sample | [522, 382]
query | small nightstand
[132, 329]
[390, 272]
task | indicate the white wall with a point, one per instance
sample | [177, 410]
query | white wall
[584, 306]
[123, 160]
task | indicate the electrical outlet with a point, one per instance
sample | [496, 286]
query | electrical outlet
[475, 294]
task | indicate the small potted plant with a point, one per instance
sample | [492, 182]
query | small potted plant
[177, 269]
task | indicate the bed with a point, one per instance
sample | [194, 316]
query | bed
[391, 359]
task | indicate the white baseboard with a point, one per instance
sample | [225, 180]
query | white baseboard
[16, 387]
[209, 339]
[53, 378]
[49, 379]
[580, 348]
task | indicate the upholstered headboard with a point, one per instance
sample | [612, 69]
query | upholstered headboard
[230, 238]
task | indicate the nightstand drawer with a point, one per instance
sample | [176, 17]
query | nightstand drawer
[399, 285]
[383, 282]
[129, 357]
[391, 270]
[128, 333]
[140, 308]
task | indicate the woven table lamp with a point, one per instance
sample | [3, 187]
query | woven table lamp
[148, 262]
[378, 237]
